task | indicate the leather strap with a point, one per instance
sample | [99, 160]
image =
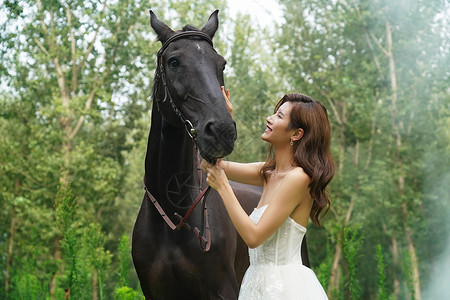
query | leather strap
[205, 242]
[184, 34]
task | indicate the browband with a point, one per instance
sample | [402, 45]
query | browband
[182, 35]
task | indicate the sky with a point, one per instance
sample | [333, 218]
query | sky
[263, 11]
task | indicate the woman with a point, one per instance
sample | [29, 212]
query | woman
[294, 178]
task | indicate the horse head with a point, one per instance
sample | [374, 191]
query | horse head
[187, 86]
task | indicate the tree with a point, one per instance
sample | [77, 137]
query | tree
[394, 41]
[324, 49]
[80, 72]
[74, 116]
[73, 64]
[248, 76]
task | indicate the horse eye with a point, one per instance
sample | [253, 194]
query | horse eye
[173, 63]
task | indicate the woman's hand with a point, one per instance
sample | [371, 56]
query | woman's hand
[228, 100]
[216, 176]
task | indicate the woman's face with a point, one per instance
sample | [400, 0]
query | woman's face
[277, 132]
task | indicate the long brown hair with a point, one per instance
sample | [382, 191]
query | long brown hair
[311, 152]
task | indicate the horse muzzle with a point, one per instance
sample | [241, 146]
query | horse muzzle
[216, 140]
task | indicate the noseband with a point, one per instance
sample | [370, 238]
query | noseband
[161, 75]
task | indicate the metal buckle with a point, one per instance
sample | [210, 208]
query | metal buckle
[190, 131]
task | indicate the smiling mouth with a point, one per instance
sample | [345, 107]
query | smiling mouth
[268, 129]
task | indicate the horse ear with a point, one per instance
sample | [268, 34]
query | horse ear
[162, 30]
[211, 26]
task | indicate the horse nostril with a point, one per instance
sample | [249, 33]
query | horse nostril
[217, 139]
[209, 129]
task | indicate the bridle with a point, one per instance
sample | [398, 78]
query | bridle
[205, 235]
[160, 75]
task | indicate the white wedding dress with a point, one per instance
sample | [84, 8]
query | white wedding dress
[276, 270]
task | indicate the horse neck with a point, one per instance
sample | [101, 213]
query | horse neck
[170, 154]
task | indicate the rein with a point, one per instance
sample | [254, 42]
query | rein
[205, 235]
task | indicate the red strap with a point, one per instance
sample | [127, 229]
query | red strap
[188, 214]
[205, 242]
[183, 221]
[161, 210]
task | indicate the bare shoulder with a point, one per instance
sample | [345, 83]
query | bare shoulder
[295, 184]
[298, 176]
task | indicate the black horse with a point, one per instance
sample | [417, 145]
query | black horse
[189, 119]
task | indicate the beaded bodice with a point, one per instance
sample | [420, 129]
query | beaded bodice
[283, 247]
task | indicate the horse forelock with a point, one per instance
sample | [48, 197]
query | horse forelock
[190, 28]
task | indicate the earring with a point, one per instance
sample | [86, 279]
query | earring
[291, 143]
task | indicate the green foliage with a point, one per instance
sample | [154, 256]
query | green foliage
[334, 51]
[381, 274]
[96, 255]
[193, 12]
[407, 270]
[251, 94]
[122, 290]
[126, 293]
[65, 213]
[324, 271]
[352, 242]
[124, 259]
[26, 285]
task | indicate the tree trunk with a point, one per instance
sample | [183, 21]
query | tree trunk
[396, 282]
[413, 254]
[399, 162]
[67, 68]
[12, 231]
[335, 276]
[335, 270]
[57, 258]
[397, 126]
[95, 285]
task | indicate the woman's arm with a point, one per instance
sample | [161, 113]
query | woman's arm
[248, 173]
[292, 190]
